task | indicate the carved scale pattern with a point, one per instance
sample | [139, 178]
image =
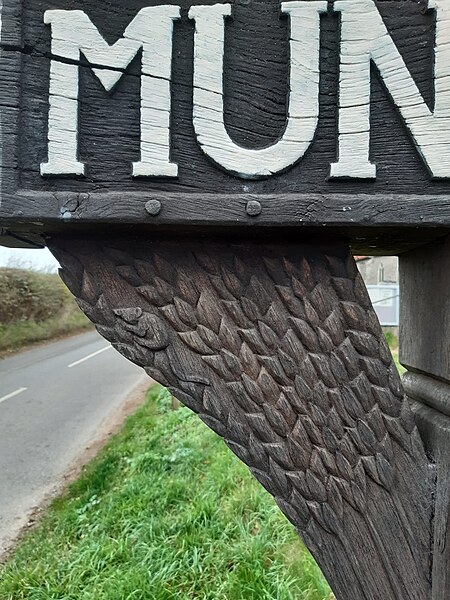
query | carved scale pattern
[279, 351]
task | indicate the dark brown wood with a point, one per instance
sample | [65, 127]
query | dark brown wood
[435, 429]
[385, 225]
[277, 348]
[368, 213]
[425, 283]
[425, 352]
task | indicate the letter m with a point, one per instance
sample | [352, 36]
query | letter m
[73, 34]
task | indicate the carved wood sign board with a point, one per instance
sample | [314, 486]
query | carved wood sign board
[151, 114]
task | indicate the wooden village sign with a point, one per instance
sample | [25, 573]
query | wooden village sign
[201, 170]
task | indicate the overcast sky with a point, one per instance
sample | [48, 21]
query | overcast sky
[30, 259]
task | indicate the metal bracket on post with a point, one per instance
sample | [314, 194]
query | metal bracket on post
[278, 349]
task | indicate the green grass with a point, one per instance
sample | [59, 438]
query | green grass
[14, 336]
[392, 341]
[164, 512]
[400, 368]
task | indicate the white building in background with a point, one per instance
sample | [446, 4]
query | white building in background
[381, 276]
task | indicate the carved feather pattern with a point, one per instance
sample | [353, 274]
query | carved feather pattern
[279, 351]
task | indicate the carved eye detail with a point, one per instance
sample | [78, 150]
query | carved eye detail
[157, 336]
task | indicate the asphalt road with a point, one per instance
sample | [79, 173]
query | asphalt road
[53, 401]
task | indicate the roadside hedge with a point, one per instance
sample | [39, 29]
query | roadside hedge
[35, 307]
[28, 295]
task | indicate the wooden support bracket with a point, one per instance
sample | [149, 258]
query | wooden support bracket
[278, 349]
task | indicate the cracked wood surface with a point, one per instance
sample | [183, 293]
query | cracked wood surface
[279, 351]
[256, 81]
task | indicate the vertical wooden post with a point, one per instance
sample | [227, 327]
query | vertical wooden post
[425, 352]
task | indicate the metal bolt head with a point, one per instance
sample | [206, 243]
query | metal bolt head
[153, 207]
[254, 208]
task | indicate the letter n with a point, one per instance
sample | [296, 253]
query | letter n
[365, 39]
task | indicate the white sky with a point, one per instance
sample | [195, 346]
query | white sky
[41, 260]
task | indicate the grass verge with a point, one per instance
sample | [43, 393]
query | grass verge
[164, 512]
[400, 368]
[19, 335]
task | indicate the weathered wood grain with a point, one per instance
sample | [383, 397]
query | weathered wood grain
[425, 352]
[435, 430]
[278, 349]
[425, 313]
[255, 85]
[389, 227]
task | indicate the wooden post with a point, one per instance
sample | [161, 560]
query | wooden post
[425, 352]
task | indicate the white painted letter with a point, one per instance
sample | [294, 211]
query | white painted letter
[74, 33]
[303, 103]
[365, 38]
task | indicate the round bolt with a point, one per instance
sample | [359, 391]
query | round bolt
[254, 208]
[153, 207]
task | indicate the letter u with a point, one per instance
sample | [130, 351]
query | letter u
[303, 102]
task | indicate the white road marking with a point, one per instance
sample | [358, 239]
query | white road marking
[79, 362]
[13, 394]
